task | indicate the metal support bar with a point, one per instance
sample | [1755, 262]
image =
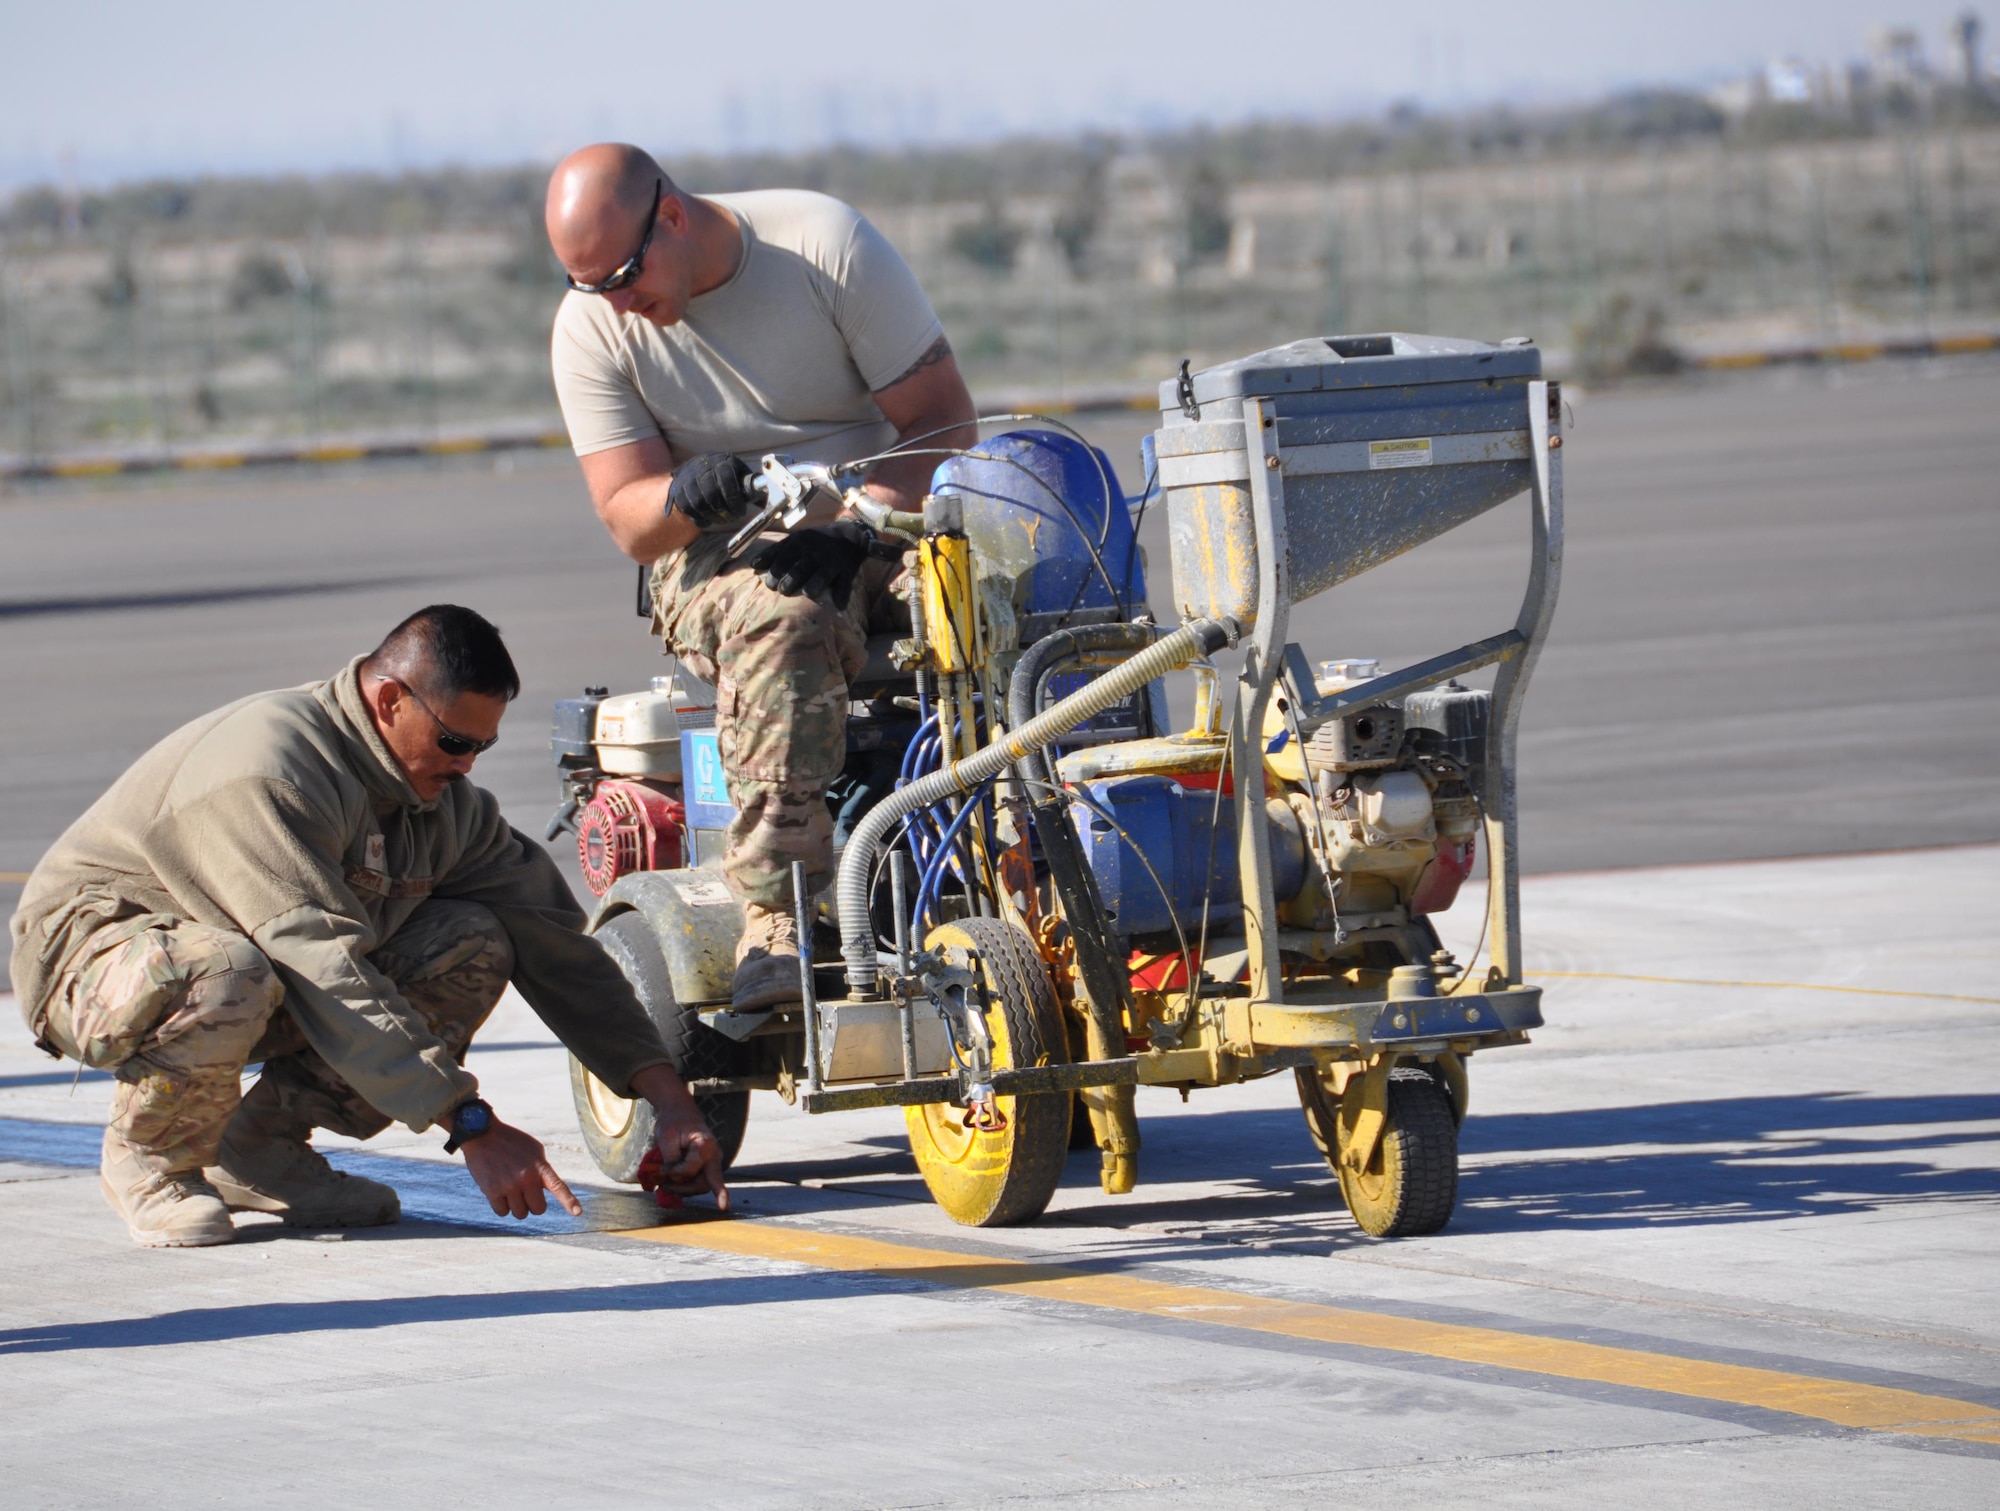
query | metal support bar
[1316, 708]
[1025, 1081]
[1538, 607]
[899, 892]
[1260, 675]
[803, 904]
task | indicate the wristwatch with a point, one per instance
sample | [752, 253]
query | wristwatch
[468, 1121]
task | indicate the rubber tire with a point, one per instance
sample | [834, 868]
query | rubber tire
[618, 1132]
[1411, 1186]
[990, 1180]
[1322, 1111]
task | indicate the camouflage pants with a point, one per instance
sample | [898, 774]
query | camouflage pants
[177, 1009]
[451, 962]
[781, 666]
[173, 1009]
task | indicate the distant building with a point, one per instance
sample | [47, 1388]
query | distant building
[1788, 81]
[1896, 59]
[1965, 33]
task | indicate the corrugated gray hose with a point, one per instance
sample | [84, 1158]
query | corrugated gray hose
[1191, 642]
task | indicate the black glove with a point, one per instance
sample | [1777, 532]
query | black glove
[712, 490]
[816, 563]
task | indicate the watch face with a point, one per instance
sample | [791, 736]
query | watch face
[472, 1119]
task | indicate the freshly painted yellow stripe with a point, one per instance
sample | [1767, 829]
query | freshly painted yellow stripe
[1776, 986]
[13, 875]
[1841, 1402]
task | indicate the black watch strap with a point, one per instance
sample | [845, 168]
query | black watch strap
[468, 1121]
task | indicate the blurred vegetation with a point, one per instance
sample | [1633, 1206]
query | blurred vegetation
[369, 204]
[1624, 234]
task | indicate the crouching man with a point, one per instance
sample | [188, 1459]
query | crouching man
[305, 880]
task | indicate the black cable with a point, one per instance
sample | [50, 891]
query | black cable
[1069, 795]
[1103, 478]
[1208, 891]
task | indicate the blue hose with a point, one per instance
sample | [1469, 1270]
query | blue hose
[934, 873]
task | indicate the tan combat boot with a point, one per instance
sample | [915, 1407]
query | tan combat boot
[162, 1208]
[266, 1165]
[767, 961]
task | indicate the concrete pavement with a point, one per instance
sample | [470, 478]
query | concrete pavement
[1741, 1191]
[1777, 632]
[1791, 1180]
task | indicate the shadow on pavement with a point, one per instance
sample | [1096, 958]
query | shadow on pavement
[1749, 1159]
[1732, 1160]
[36, 608]
[287, 1318]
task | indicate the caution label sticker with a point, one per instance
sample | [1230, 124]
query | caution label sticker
[1412, 453]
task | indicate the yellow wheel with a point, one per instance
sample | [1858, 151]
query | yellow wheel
[991, 1179]
[1410, 1183]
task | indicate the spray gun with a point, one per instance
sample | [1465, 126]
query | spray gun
[959, 995]
[790, 490]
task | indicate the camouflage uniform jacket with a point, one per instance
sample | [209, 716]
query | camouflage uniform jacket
[285, 818]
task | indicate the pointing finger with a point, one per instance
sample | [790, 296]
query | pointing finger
[558, 1187]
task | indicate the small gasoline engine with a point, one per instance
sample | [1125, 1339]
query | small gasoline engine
[620, 760]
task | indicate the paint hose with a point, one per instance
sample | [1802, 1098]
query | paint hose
[1191, 642]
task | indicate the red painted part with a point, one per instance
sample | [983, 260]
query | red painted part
[1438, 888]
[1157, 973]
[652, 1175]
[627, 827]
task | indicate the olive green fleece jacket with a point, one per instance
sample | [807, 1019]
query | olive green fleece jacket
[285, 818]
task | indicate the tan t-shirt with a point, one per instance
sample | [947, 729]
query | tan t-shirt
[783, 357]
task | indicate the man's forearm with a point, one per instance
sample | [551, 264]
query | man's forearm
[662, 1086]
[637, 517]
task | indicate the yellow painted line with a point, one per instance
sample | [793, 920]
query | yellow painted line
[1841, 1402]
[212, 461]
[1966, 343]
[333, 453]
[13, 875]
[458, 446]
[101, 468]
[1735, 359]
[1859, 352]
[1770, 986]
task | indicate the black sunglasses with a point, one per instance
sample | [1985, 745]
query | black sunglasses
[451, 743]
[627, 272]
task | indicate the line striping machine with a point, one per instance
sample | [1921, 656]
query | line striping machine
[1047, 896]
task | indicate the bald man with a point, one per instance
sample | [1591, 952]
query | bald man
[699, 334]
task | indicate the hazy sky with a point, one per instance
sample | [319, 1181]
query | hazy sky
[121, 89]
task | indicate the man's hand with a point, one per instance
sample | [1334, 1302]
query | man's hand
[691, 1159]
[811, 563]
[512, 1169]
[712, 491]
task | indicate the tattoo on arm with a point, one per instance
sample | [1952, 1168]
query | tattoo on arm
[935, 353]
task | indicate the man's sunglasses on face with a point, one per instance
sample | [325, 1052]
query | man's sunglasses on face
[449, 741]
[627, 272]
